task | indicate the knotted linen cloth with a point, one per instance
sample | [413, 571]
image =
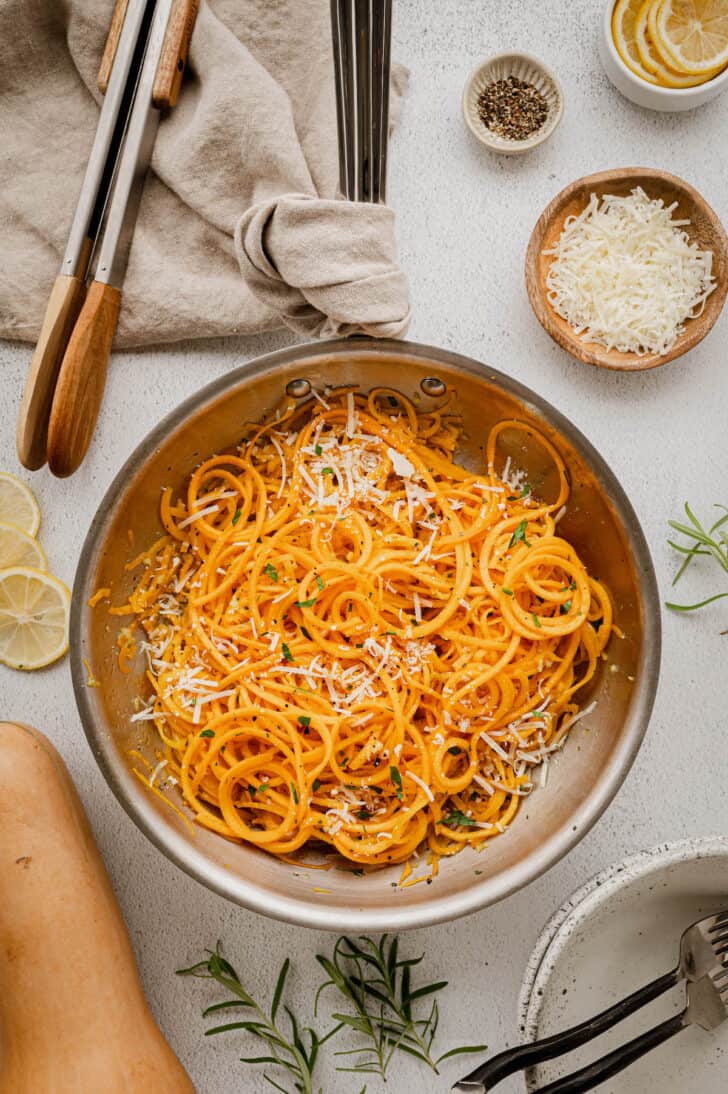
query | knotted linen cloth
[244, 179]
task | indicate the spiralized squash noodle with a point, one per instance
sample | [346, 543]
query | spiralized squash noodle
[354, 641]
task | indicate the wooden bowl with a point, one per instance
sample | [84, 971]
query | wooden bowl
[705, 229]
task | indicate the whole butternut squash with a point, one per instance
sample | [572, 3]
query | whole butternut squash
[73, 1017]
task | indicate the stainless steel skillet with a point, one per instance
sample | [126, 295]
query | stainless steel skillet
[601, 524]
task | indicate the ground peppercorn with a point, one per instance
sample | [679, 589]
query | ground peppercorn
[512, 108]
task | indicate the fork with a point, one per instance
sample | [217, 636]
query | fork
[703, 948]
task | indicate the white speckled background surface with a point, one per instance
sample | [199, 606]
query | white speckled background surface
[464, 217]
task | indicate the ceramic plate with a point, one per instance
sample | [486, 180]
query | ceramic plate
[618, 932]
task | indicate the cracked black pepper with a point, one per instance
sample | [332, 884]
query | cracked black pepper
[512, 108]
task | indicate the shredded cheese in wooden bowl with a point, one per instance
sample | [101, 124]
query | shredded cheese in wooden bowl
[626, 276]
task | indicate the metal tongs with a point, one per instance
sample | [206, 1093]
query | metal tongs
[703, 962]
[362, 35]
[140, 74]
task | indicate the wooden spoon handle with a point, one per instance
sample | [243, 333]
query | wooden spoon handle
[64, 304]
[82, 378]
[112, 41]
[175, 50]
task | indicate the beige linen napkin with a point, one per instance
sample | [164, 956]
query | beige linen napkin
[244, 175]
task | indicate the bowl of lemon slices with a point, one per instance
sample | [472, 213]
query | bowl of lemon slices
[666, 54]
[34, 605]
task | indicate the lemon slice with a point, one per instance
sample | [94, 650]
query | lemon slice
[693, 34]
[650, 57]
[18, 505]
[19, 549]
[624, 25]
[34, 609]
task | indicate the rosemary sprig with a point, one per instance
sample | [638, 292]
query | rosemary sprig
[289, 1052]
[712, 542]
[377, 985]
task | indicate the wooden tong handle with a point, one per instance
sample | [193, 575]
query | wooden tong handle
[82, 379]
[64, 304]
[175, 50]
[112, 41]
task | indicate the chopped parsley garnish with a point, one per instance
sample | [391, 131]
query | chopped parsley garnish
[525, 489]
[286, 652]
[458, 818]
[519, 534]
[207, 733]
[305, 603]
[319, 582]
[392, 400]
[508, 592]
[315, 785]
[270, 571]
[363, 814]
[536, 620]
[327, 470]
[304, 720]
[294, 792]
[305, 634]
[252, 790]
[397, 780]
[573, 586]
[318, 449]
[454, 751]
[565, 607]
[236, 516]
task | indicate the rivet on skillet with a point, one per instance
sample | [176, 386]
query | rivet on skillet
[297, 389]
[433, 386]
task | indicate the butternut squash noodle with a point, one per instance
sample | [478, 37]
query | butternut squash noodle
[354, 641]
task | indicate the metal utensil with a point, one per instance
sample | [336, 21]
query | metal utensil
[142, 64]
[703, 948]
[69, 289]
[555, 818]
[82, 375]
[707, 1007]
[362, 33]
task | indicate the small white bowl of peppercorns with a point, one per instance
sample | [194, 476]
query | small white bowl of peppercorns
[512, 103]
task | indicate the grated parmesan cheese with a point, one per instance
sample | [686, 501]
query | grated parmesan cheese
[400, 464]
[626, 276]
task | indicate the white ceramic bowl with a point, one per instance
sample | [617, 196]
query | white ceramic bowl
[650, 95]
[524, 67]
[618, 932]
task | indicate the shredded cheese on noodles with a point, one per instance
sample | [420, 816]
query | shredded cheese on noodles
[354, 644]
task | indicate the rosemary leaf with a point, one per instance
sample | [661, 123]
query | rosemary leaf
[286, 1051]
[368, 972]
[382, 1010]
[711, 542]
